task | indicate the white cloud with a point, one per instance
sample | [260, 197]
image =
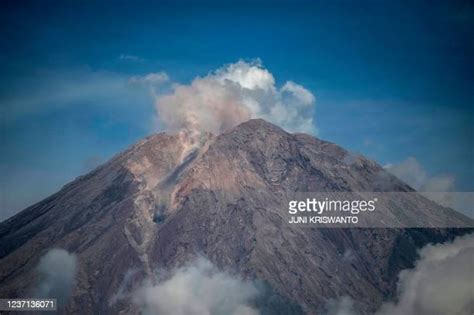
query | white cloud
[302, 94]
[412, 173]
[341, 306]
[247, 75]
[56, 274]
[437, 188]
[150, 78]
[122, 290]
[442, 282]
[233, 94]
[195, 289]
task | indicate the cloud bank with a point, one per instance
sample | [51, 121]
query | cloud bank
[56, 272]
[412, 173]
[442, 282]
[341, 306]
[439, 188]
[198, 289]
[233, 94]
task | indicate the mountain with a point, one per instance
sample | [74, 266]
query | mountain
[166, 199]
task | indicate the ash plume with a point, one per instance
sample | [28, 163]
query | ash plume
[233, 94]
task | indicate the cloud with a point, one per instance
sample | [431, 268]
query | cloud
[131, 58]
[198, 288]
[122, 291]
[233, 94]
[412, 173]
[150, 78]
[299, 92]
[341, 306]
[439, 189]
[56, 272]
[442, 282]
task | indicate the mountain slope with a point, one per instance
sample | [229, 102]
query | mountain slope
[167, 198]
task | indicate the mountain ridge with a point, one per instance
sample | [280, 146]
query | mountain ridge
[171, 197]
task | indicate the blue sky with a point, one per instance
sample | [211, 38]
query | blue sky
[391, 80]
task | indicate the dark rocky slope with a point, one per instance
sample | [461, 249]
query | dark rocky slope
[161, 202]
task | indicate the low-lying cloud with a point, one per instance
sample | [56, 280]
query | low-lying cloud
[439, 188]
[442, 282]
[56, 273]
[412, 173]
[341, 306]
[233, 94]
[198, 288]
[122, 291]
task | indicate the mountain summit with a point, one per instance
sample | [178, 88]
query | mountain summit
[169, 198]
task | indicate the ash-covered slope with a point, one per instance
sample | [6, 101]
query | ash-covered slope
[166, 199]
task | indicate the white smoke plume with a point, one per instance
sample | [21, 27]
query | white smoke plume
[56, 273]
[198, 289]
[122, 291]
[233, 94]
[442, 281]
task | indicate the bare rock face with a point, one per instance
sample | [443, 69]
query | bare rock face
[169, 198]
